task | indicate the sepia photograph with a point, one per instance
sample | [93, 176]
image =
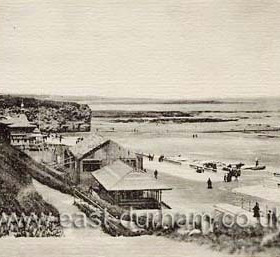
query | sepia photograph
[139, 128]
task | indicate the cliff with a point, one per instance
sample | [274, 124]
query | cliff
[52, 116]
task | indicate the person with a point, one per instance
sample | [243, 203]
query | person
[209, 183]
[256, 210]
[274, 219]
[156, 174]
[225, 178]
[91, 189]
[268, 216]
[257, 162]
[229, 176]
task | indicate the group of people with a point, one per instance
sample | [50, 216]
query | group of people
[56, 135]
[79, 139]
[195, 136]
[228, 176]
[151, 157]
[161, 158]
[271, 217]
[232, 172]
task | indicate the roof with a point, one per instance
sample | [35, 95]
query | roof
[19, 121]
[22, 125]
[37, 131]
[86, 145]
[7, 121]
[119, 176]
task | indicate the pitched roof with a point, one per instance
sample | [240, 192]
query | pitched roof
[118, 176]
[19, 121]
[88, 144]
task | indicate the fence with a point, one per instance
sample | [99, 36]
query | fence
[248, 205]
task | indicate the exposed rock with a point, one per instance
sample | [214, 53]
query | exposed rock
[51, 116]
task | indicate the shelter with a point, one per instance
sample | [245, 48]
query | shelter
[123, 185]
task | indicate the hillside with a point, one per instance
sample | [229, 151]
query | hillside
[52, 116]
[17, 191]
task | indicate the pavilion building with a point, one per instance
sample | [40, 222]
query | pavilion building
[122, 185]
[20, 132]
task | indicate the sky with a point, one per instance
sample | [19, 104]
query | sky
[140, 48]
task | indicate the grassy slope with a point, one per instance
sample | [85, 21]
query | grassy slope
[17, 193]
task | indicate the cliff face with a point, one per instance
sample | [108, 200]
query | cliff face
[52, 116]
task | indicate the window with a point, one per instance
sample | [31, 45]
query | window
[91, 165]
[131, 162]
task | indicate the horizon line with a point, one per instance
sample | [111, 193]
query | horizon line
[102, 97]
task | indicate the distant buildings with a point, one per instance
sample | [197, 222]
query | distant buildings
[21, 133]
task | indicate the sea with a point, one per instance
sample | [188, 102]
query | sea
[254, 133]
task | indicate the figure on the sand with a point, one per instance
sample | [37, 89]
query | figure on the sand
[274, 219]
[156, 174]
[268, 216]
[209, 183]
[257, 162]
[256, 210]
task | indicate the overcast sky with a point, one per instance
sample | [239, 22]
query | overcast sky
[140, 48]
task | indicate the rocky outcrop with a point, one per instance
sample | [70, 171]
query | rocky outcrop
[51, 116]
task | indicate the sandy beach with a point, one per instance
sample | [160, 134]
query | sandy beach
[176, 141]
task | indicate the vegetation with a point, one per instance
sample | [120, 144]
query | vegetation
[19, 197]
[17, 192]
[235, 240]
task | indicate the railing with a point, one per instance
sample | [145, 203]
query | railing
[151, 200]
[248, 205]
[147, 202]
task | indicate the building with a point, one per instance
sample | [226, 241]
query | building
[93, 153]
[121, 184]
[21, 133]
